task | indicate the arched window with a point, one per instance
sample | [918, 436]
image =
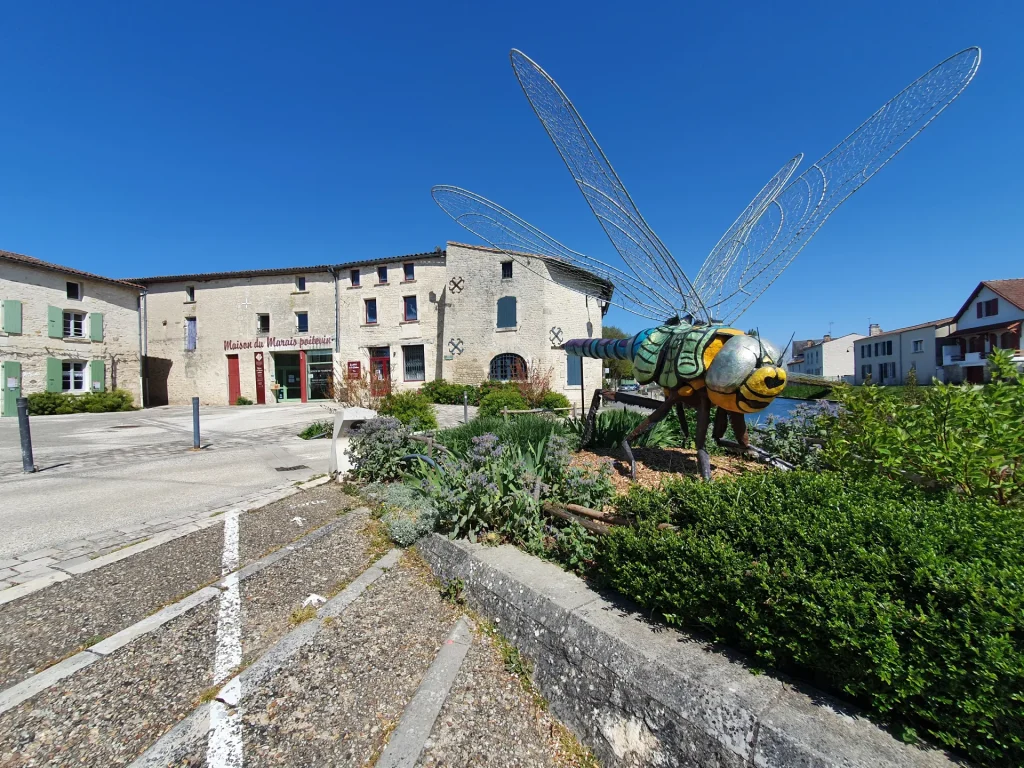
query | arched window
[507, 367]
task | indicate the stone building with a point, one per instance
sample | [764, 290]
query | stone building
[278, 335]
[828, 357]
[64, 330]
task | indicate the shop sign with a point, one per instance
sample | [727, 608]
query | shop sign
[354, 369]
[261, 392]
[273, 342]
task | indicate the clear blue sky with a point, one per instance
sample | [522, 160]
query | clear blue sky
[181, 137]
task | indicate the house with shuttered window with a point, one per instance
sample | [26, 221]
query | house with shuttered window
[64, 330]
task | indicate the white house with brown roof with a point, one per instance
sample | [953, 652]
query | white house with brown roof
[991, 318]
[888, 357]
[64, 330]
[828, 357]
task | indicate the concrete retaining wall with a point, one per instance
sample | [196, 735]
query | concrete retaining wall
[639, 694]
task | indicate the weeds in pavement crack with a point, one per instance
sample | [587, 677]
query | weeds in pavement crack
[300, 615]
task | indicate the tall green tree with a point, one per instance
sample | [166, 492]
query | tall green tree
[617, 369]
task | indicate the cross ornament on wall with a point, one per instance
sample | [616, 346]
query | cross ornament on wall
[556, 336]
[455, 346]
[455, 284]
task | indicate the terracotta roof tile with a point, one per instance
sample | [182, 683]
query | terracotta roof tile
[32, 261]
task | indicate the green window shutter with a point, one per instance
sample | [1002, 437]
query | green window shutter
[55, 327]
[98, 369]
[53, 374]
[12, 315]
[96, 326]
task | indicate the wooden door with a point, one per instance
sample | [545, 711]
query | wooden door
[234, 381]
[380, 371]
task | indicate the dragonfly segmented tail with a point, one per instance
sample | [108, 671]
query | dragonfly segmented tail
[607, 349]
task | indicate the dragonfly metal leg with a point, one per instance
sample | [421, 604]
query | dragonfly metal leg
[659, 413]
[591, 417]
[703, 422]
[684, 425]
[739, 427]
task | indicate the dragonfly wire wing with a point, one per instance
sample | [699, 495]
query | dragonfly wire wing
[523, 242]
[751, 258]
[645, 256]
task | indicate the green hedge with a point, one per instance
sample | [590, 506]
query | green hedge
[493, 403]
[411, 408]
[908, 603]
[49, 403]
[444, 393]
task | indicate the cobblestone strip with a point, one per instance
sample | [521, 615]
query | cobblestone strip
[32, 571]
[190, 733]
[26, 689]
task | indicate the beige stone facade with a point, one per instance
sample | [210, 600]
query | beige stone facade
[65, 330]
[433, 315]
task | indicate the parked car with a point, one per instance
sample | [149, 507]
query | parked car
[629, 386]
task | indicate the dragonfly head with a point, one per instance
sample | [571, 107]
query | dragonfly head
[745, 375]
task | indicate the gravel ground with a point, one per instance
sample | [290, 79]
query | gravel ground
[323, 568]
[109, 713]
[343, 693]
[269, 527]
[489, 719]
[43, 627]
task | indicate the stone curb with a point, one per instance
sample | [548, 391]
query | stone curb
[26, 689]
[406, 744]
[190, 733]
[641, 694]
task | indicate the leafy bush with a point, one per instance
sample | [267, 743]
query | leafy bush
[954, 436]
[318, 429]
[553, 400]
[493, 403]
[407, 515]
[799, 437]
[411, 408]
[376, 450]
[441, 392]
[49, 403]
[908, 602]
[242, 400]
[488, 386]
[612, 425]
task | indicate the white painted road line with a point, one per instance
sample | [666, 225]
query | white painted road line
[406, 743]
[225, 746]
[183, 738]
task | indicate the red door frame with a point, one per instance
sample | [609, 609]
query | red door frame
[382, 386]
[234, 380]
[303, 378]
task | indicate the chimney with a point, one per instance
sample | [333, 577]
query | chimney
[826, 337]
[874, 330]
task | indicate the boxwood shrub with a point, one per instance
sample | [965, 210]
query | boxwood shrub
[909, 603]
[411, 408]
[49, 403]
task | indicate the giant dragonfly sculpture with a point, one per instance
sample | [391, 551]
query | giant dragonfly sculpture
[694, 354]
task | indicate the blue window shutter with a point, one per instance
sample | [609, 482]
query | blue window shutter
[11, 316]
[98, 371]
[53, 375]
[507, 312]
[96, 326]
[574, 376]
[55, 329]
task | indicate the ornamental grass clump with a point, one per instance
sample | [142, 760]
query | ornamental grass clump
[906, 601]
[407, 515]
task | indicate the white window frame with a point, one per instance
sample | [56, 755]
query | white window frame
[918, 346]
[259, 331]
[297, 328]
[69, 367]
[190, 294]
[66, 325]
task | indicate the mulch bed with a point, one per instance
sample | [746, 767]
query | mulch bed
[654, 464]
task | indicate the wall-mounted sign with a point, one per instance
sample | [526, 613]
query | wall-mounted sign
[272, 342]
[355, 370]
[261, 392]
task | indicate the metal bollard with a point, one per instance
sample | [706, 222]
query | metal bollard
[465, 407]
[195, 423]
[27, 464]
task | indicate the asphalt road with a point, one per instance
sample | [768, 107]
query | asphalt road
[103, 471]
